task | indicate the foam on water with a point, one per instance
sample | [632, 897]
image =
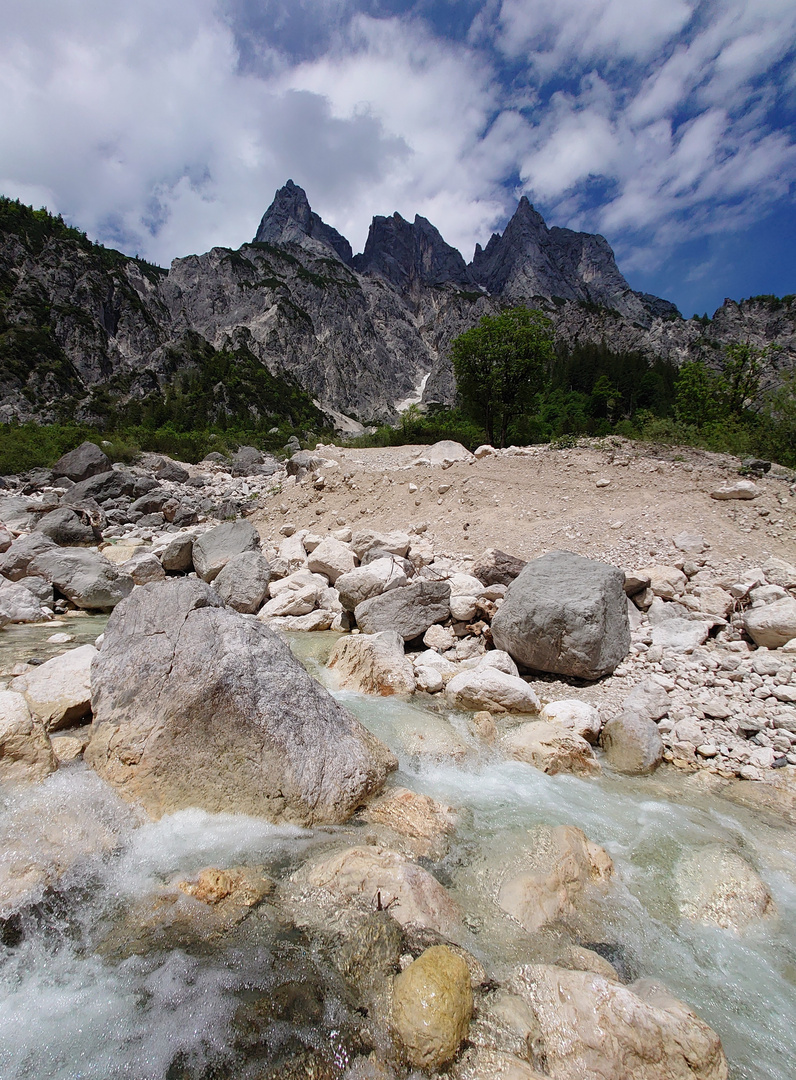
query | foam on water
[743, 986]
[66, 1013]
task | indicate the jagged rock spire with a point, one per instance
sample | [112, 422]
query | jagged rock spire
[289, 219]
[411, 254]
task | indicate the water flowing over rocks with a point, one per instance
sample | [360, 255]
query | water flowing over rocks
[410, 893]
[551, 747]
[715, 886]
[593, 1027]
[717, 707]
[562, 866]
[194, 705]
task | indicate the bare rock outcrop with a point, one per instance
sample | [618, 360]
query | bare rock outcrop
[197, 705]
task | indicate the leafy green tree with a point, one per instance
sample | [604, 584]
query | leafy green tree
[500, 365]
[730, 392]
[696, 394]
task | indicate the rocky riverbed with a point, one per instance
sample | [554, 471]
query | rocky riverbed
[551, 682]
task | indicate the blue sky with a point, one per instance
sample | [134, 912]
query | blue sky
[665, 125]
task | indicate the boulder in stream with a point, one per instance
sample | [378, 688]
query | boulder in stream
[197, 705]
[715, 886]
[593, 1027]
[25, 750]
[561, 866]
[432, 1006]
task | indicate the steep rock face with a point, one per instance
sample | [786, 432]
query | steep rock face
[84, 330]
[411, 255]
[529, 260]
[289, 219]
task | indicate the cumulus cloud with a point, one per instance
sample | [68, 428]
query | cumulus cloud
[165, 129]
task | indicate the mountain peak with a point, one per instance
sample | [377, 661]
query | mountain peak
[410, 254]
[290, 219]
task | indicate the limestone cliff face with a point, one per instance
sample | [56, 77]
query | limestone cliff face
[359, 333]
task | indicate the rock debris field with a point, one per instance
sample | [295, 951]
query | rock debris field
[606, 607]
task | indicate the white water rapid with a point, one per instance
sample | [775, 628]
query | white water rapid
[88, 992]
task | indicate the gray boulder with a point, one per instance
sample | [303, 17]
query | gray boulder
[409, 610]
[243, 582]
[105, 486]
[632, 743]
[15, 561]
[166, 469]
[495, 567]
[151, 502]
[68, 527]
[84, 461]
[84, 577]
[178, 556]
[18, 604]
[17, 512]
[369, 580]
[565, 614]
[213, 549]
[196, 705]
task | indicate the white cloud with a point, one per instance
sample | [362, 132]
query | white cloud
[551, 34]
[167, 128]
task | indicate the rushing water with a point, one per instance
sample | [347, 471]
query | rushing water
[71, 1006]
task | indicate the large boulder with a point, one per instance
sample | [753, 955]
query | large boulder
[213, 549]
[632, 743]
[58, 692]
[197, 705]
[370, 580]
[83, 576]
[26, 752]
[177, 557]
[84, 461]
[773, 624]
[115, 484]
[16, 560]
[409, 610]
[561, 867]
[19, 604]
[716, 887]
[373, 664]
[393, 543]
[431, 1007]
[331, 558]
[446, 450]
[68, 526]
[167, 469]
[591, 1026]
[243, 582]
[567, 615]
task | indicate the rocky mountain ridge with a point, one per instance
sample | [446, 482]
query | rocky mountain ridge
[360, 333]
